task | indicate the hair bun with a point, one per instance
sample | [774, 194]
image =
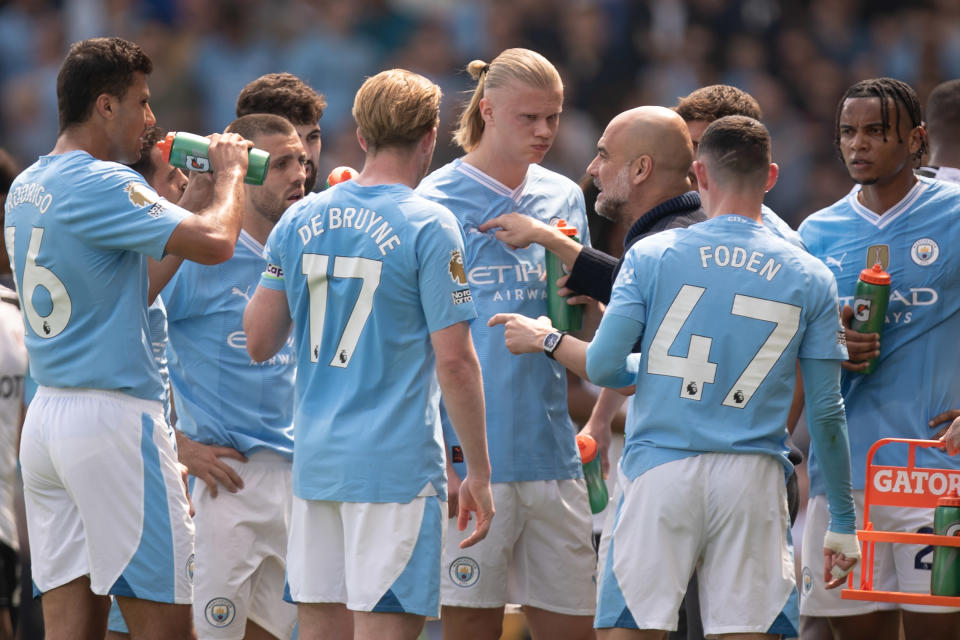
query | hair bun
[477, 68]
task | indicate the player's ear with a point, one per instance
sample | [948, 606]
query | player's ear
[486, 110]
[701, 174]
[105, 105]
[772, 174]
[361, 141]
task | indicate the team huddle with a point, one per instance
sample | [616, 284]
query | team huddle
[268, 412]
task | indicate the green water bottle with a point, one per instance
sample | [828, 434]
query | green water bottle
[593, 473]
[192, 153]
[870, 299]
[945, 577]
[565, 317]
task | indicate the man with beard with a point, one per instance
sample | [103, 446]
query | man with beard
[234, 416]
[286, 95]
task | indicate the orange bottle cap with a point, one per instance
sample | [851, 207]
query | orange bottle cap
[950, 500]
[166, 145]
[875, 275]
[564, 229]
[587, 446]
[341, 174]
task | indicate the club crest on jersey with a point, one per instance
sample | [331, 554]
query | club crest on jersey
[878, 254]
[464, 572]
[457, 273]
[140, 194]
[925, 251]
[220, 612]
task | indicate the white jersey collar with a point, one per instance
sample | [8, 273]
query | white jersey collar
[894, 212]
[492, 183]
[250, 243]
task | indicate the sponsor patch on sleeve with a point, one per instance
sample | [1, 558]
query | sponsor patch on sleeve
[273, 271]
[461, 296]
[155, 210]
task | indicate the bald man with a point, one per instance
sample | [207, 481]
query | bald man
[642, 170]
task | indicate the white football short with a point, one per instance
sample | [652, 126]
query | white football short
[896, 567]
[242, 549]
[721, 515]
[104, 496]
[380, 557]
[539, 551]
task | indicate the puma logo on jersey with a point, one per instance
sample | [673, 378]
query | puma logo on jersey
[834, 262]
[457, 273]
[245, 294]
[140, 194]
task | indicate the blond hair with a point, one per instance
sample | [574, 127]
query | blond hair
[512, 65]
[396, 108]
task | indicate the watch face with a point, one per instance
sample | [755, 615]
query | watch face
[550, 342]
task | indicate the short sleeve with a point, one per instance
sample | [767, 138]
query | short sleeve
[118, 210]
[444, 293]
[824, 338]
[272, 277]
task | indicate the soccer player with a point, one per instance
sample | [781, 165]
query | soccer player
[234, 415]
[170, 183]
[8, 171]
[943, 132]
[907, 224]
[543, 542]
[722, 309]
[79, 226]
[371, 278]
[286, 95]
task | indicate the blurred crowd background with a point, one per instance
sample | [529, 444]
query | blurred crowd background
[795, 56]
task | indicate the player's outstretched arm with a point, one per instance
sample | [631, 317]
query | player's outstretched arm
[525, 335]
[827, 423]
[210, 236]
[517, 230]
[458, 372]
[267, 323]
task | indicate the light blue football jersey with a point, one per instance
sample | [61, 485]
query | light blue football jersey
[529, 431]
[917, 376]
[78, 231]
[223, 397]
[727, 307]
[779, 227]
[369, 273]
[157, 319]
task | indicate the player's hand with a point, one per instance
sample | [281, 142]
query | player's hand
[204, 462]
[229, 151]
[453, 491]
[477, 498]
[516, 230]
[861, 347]
[841, 552]
[951, 435]
[943, 419]
[522, 334]
[185, 478]
[573, 297]
[600, 432]
[198, 195]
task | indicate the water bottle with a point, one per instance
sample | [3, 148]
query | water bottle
[870, 299]
[945, 577]
[593, 473]
[565, 317]
[192, 153]
[341, 174]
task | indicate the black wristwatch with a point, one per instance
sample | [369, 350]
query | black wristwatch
[551, 342]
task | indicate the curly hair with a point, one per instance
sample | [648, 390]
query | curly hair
[282, 94]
